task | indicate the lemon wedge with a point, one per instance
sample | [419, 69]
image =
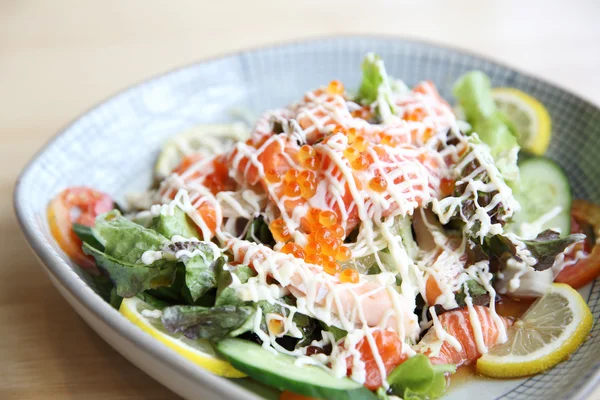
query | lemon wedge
[529, 117]
[199, 351]
[208, 139]
[553, 328]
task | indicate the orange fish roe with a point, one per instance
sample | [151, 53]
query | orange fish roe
[306, 152]
[343, 254]
[291, 175]
[314, 259]
[349, 275]
[331, 246]
[331, 267]
[351, 154]
[378, 184]
[311, 163]
[362, 162]
[363, 113]
[351, 134]
[327, 218]
[428, 134]
[313, 248]
[388, 140]
[308, 189]
[280, 231]
[322, 235]
[293, 249]
[337, 231]
[360, 143]
[292, 189]
[313, 215]
[307, 176]
[415, 115]
[272, 175]
[335, 87]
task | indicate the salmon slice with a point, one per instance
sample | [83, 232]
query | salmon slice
[458, 324]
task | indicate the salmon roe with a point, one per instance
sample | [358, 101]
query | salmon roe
[335, 87]
[291, 175]
[325, 245]
[361, 163]
[332, 267]
[272, 175]
[378, 184]
[305, 152]
[351, 154]
[293, 249]
[349, 275]
[280, 231]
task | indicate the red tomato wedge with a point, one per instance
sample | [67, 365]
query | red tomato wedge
[81, 205]
[586, 270]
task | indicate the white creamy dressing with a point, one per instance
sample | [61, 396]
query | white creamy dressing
[445, 208]
[412, 171]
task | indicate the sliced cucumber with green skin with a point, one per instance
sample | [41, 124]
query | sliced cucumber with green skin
[544, 187]
[280, 371]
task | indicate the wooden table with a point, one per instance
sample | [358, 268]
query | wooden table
[58, 58]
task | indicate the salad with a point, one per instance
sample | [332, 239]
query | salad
[352, 245]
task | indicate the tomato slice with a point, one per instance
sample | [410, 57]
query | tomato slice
[389, 347]
[81, 205]
[585, 270]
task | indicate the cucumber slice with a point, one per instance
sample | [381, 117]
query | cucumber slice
[280, 371]
[544, 188]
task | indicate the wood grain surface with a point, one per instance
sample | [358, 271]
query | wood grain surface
[58, 58]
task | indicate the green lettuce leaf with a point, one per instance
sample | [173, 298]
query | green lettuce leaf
[473, 91]
[375, 85]
[196, 322]
[418, 379]
[132, 278]
[124, 242]
[200, 275]
[544, 248]
[226, 295]
[477, 292]
[86, 235]
[259, 232]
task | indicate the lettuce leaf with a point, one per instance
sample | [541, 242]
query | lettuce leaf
[259, 232]
[131, 278]
[376, 86]
[200, 275]
[544, 248]
[225, 293]
[200, 269]
[473, 91]
[123, 243]
[196, 322]
[86, 235]
[418, 379]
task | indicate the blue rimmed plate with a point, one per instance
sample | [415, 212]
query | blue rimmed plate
[113, 146]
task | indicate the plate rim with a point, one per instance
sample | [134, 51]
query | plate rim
[62, 271]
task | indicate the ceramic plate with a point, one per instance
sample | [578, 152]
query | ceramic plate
[113, 146]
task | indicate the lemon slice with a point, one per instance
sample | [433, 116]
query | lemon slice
[208, 139]
[553, 328]
[199, 351]
[528, 116]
